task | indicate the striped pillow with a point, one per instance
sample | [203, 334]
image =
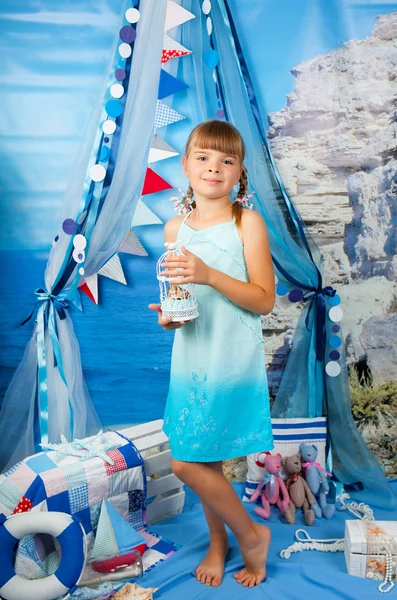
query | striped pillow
[288, 434]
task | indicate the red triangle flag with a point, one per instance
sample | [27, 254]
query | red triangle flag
[154, 183]
[84, 288]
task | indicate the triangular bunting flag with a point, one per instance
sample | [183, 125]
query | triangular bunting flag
[160, 150]
[169, 85]
[165, 115]
[89, 286]
[144, 216]
[131, 245]
[176, 15]
[154, 183]
[113, 270]
[171, 49]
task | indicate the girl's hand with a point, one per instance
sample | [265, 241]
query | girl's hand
[166, 324]
[193, 269]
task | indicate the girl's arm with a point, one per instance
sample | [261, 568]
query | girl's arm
[259, 294]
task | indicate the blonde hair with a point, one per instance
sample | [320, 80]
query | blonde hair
[223, 137]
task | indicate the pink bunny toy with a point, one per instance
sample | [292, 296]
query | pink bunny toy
[271, 488]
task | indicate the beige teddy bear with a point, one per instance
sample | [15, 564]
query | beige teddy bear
[299, 491]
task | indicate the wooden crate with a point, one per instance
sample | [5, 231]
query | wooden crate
[165, 492]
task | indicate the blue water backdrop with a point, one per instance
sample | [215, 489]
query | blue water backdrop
[125, 354]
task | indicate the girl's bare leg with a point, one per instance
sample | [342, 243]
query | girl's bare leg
[216, 492]
[210, 570]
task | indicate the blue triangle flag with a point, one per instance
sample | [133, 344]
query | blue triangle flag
[126, 535]
[169, 85]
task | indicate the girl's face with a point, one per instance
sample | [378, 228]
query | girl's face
[212, 174]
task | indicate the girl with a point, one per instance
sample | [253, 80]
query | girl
[218, 401]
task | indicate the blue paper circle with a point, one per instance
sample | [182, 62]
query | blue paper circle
[127, 34]
[295, 295]
[106, 139]
[104, 155]
[113, 108]
[334, 355]
[334, 341]
[120, 74]
[281, 289]
[220, 113]
[69, 226]
[334, 300]
[211, 58]
[335, 328]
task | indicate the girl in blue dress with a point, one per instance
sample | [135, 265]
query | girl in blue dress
[218, 401]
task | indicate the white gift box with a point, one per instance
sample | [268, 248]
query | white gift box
[365, 552]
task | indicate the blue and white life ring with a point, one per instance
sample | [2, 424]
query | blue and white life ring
[72, 541]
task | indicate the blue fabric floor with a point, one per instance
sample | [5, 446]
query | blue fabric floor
[306, 575]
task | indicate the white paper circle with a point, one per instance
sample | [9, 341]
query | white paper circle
[336, 314]
[97, 173]
[275, 279]
[206, 6]
[125, 50]
[209, 25]
[116, 90]
[79, 242]
[79, 255]
[214, 76]
[332, 368]
[81, 271]
[109, 127]
[132, 15]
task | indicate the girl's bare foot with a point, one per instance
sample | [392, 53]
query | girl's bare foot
[210, 571]
[255, 555]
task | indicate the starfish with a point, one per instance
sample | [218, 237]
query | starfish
[84, 449]
[375, 530]
[381, 568]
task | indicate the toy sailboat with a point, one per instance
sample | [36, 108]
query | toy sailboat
[116, 542]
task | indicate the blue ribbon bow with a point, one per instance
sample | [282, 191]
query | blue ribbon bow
[50, 305]
[317, 298]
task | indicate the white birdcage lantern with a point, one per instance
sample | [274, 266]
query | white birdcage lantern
[178, 300]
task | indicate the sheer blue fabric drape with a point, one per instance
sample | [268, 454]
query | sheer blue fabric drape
[305, 390]
[18, 418]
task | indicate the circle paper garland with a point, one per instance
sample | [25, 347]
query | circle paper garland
[109, 126]
[116, 90]
[335, 314]
[333, 369]
[125, 50]
[97, 173]
[132, 15]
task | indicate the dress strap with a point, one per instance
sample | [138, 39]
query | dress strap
[187, 216]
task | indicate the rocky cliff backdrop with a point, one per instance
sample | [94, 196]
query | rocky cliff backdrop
[335, 143]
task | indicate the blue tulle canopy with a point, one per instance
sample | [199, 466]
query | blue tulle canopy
[219, 87]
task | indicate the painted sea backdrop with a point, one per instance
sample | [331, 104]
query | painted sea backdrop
[125, 354]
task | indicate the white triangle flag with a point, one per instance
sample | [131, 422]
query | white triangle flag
[170, 44]
[160, 150]
[131, 245]
[92, 283]
[113, 270]
[176, 15]
[144, 216]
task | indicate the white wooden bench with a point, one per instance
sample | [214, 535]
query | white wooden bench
[165, 492]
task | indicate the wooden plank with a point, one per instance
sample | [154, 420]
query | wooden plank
[137, 431]
[163, 484]
[150, 441]
[165, 507]
[158, 462]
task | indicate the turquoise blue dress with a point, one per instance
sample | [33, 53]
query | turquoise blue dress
[218, 401]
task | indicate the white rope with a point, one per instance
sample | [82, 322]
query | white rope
[360, 510]
[307, 543]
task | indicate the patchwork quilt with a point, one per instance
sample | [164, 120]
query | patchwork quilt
[109, 467]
